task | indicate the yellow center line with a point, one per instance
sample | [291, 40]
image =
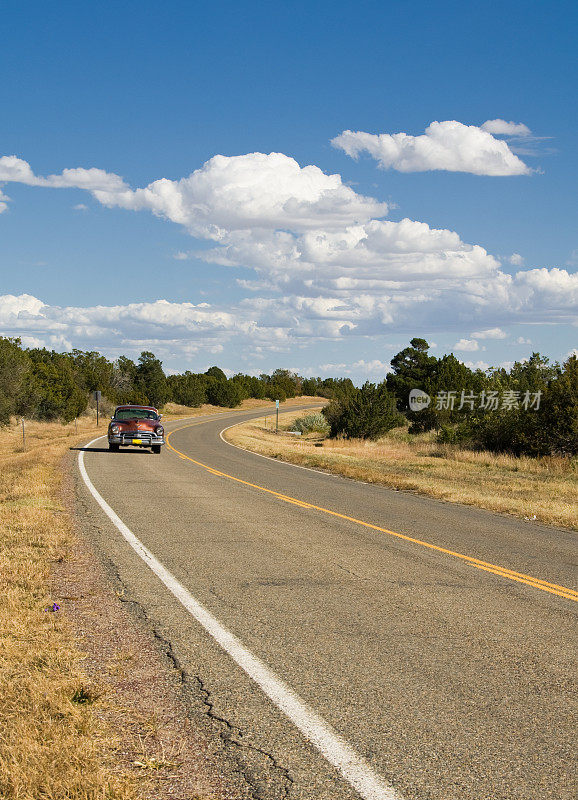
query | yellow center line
[570, 594]
[504, 572]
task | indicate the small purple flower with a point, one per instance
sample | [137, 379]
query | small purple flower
[53, 607]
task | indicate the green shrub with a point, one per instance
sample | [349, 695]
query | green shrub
[312, 423]
[454, 434]
[365, 413]
[224, 393]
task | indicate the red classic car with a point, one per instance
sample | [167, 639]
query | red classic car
[138, 426]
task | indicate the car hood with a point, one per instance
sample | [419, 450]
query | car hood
[137, 424]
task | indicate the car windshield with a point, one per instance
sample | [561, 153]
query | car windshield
[134, 413]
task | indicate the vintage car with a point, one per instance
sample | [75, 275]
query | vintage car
[136, 426]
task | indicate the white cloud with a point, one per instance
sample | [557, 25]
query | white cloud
[174, 326]
[466, 345]
[80, 207]
[555, 289]
[499, 127]
[378, 258]
[483, 365]
[360, 367]
[59, 343]
[4, 200]
[253, 191]
[324, 266]
[181, 256]
[516, 260]
[522, 340]
[448, 145]
[16, 170]
[490, 333]
[19, 307]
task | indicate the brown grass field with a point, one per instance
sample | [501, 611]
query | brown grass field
[524, 487]
[52, 745]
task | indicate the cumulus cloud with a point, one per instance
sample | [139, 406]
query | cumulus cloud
[253, 191]
[326, 265]
[256, 191]
[499, 127]
[516, 260]
[556, 288]
[376, 258]
[361, 367]
[448, 145]
[176, 326]
[16, 170]
[490, 333]
[466, 345]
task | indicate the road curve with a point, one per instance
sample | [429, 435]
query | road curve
[401, 622]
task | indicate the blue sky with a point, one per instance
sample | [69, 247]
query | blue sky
[145, 92]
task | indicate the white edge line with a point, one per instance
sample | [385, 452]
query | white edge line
[270, 458]
[336, 750]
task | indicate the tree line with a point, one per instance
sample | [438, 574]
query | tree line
[46, 385]
[531, 408]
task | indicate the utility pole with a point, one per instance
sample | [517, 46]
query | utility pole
[23, 435]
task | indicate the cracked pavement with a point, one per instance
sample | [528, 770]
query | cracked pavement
[451, 682]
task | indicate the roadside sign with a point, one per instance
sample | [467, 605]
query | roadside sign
[277, 416]
[276, 404]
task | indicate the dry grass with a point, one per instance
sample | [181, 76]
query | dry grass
[544, 487]
[50, 743]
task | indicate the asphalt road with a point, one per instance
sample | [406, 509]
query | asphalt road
[450, 681]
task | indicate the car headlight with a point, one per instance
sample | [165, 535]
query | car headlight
[115, 430]
[160, 431]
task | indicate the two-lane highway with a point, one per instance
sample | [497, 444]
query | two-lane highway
[433, 642]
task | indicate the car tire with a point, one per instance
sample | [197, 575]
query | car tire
[156, 448]
[114, 448]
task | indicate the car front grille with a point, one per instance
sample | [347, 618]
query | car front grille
[144, 436]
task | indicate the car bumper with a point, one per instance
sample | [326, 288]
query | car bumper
[136, 440]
